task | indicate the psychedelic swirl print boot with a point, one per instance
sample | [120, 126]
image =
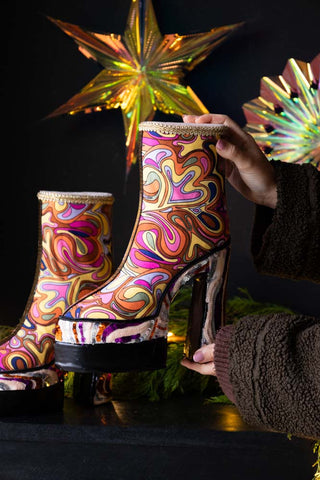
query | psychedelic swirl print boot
[181, 233]
[74, 258]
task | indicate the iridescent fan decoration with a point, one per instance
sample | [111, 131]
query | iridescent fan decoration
[285, 119]
[142, 70]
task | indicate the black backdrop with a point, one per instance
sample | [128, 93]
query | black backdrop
[41, 68]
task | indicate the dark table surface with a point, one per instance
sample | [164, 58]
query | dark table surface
[177, 438]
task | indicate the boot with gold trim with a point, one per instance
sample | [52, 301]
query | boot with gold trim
[74, 258]
[181, 234]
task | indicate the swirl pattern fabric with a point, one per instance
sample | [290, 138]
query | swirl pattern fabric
[35, 380]
[183, 219]
[74, 258]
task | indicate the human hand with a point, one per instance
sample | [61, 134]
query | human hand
[203, 361]
[246, 167]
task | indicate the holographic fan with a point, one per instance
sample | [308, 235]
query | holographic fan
[285, 119]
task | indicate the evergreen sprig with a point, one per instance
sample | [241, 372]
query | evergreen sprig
[316, 450]
[160, 384]
[5, 330]
[242, 305]
[219, 399]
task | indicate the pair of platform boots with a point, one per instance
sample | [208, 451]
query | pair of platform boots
[83, 317]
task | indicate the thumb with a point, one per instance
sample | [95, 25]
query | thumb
[234, 151]
[241, 149]
[204, 354]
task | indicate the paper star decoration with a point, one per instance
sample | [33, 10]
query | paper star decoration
[142, 71]
[285, 119]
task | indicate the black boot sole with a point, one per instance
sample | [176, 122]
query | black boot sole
[41, 400]
[112, 357]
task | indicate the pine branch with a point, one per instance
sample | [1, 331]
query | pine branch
[243, 305]
[316, 450]
[222, 399]
[5, 330]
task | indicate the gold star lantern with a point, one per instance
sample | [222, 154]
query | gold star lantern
[142, 70]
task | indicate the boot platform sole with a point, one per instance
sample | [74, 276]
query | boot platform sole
[112, 357]
[41, 400]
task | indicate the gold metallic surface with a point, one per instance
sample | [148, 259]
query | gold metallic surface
[143, 70]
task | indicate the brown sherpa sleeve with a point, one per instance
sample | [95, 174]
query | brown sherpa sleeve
[286, 241]
[222, 359]
[275, 374]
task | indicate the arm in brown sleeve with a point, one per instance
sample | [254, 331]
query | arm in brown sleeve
[222, 359]
[269, 366]
[286, 241]
[274, 372]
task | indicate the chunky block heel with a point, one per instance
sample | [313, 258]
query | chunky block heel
[207, 309]
[181, 233]
[92, 389]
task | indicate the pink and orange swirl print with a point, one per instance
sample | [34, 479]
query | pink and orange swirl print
[183, 218]
[75, 259]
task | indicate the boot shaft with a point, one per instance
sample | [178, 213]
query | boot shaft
[75, 239]
[182, 220]
[183, 189]
[74, 258]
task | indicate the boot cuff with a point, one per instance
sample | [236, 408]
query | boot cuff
[75, 197]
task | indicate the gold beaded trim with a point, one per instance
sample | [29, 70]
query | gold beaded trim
[207, 129]
[75, 197]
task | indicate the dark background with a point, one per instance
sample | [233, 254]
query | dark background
[41, 68]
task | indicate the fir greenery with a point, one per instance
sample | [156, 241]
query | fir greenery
[5, 331]
[243, 304]
[219, 399]
[316, 450]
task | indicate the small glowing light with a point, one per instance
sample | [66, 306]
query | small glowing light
[172, 338]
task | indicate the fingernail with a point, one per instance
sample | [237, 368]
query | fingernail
[220, 144]
[198, 357]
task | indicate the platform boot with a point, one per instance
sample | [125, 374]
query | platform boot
[181, 234]
[74, 258]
